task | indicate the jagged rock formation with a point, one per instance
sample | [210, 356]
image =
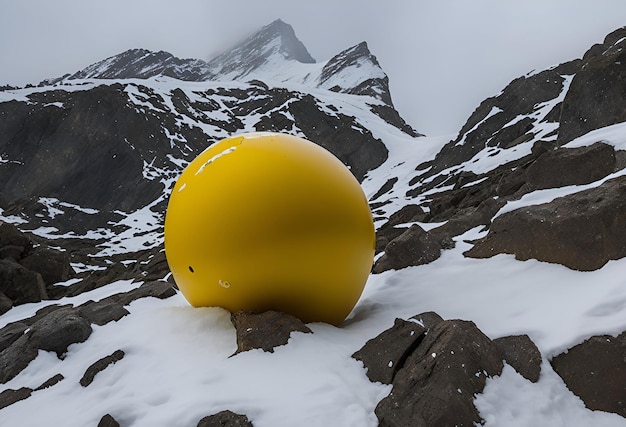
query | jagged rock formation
[514, 144]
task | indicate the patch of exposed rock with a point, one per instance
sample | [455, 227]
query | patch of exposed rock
[436, 367]
[582, 231]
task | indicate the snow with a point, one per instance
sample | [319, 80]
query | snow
[177, 367]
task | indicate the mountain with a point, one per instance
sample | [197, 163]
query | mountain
[515, 226]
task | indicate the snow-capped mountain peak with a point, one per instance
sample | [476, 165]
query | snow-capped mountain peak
[273, 44]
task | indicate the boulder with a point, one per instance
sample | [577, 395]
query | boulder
[99, 366]
[55, 331]
[5, 303]
[595, 97]
[108, 421]
[595, 371]
[386, 353]
[11, 396]
[413, 247]
[225, 419]
[437, 382]
[582, 231]
[265, 330]
[435, 367]
[10, 333]
[19, 284]
[11, 236]
[54, 266]
[58, 330]
[522, 354]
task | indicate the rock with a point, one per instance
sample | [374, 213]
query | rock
[385, 354]
[11, 236]
[100, 366]
[102, 312]
[54, 266]
[437, 384]
[58, 330]
[19, 284]
[522, 354]
[595, 96]
[389, 231]
[570, 166]
[582, 231]
[13, 252]
[52, 381]
[157, 289]
[10, 333]
[225, 419]
[5, 303]
[10, 396]
[595, 371]
[16, 358]
[54, 330]
[413, 247]
[108, 421]
[265, 330]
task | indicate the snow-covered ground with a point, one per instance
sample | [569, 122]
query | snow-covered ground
[177, 367]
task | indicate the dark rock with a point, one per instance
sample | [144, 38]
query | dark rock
[10, 396]
[551, 166]
[10, 333]
[571, 166]
[582, 231]
[595, 97]
[5, 303]
[54, 266]
[385, 354]
[100, 366]
[428, 319]
[19, 284]
[52, 381]
[108, 421]
[225, 419]
[522, 354]
[389, 230]
[16, 358]
[265, 330]
[438, 382]
[413, 247]
[595, 371]
[156, 289]
[11, 236]
[102, 312]
[58, 330]
[13, 252]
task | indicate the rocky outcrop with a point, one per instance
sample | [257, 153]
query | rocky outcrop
[522, 354]
[54, 332]
[596, 95]
[225, 419]
[595, 371]
[582, 231]
[265, 330]
[436, 368]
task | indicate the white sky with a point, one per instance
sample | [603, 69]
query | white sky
[443, 57]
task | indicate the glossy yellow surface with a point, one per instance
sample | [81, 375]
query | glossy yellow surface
[268, 221]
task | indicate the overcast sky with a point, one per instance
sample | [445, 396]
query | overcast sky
[443, 57]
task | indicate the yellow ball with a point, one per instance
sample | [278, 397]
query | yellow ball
[267, 221]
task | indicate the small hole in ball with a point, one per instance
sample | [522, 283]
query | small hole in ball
[191, 269]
